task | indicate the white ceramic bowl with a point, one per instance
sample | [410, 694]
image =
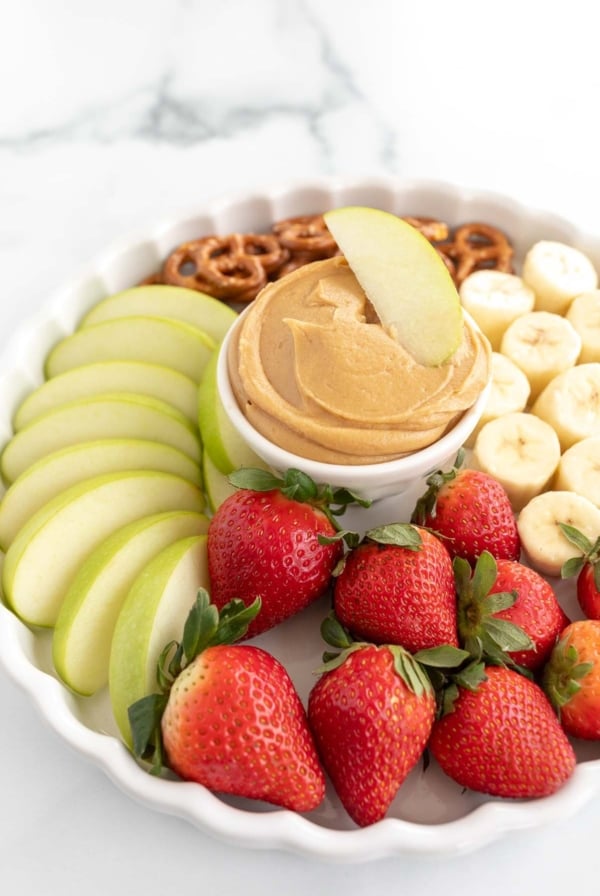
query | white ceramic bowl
[398, 482]
[431, 815]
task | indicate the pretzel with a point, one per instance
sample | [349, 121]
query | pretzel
[475, 246]
[233, 267]
[431, 228]
[295, 261]
[306, 235]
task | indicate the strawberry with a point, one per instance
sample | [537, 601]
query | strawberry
[472, 512]
[371, 714]
[397, 587]
[504, 606]
[586, 566]
[571, 679]
[228, 716]
[277, 539]
[502, 738]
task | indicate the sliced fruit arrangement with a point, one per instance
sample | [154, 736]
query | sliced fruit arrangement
[151, 617]
[84, 629]
[56, 472]
[47, 552]
[139, 528]
[104, 471]
[555, 345]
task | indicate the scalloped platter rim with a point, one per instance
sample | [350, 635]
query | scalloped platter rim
[431, 815]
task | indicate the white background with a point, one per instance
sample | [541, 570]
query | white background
[121, 113]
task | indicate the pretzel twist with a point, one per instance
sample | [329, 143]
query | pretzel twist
[234, 267]
[307, 235]
[475, 246]
[432, 229]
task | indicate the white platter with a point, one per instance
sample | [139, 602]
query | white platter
[430, 815]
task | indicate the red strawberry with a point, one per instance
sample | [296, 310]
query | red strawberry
[586, 566]
[571, 679]
[503, 738]
[472, 511]
[500, 595]
[371, 714]
[397, 587]
[265, 540]
[228, 716]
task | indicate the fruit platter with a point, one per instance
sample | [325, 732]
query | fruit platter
[126, 485]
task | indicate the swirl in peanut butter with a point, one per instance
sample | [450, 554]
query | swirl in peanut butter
[315, 372]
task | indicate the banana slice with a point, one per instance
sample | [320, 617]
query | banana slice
[571, 404]
[541, 537]
[557, 273]
[542, 344]
[521, 452]
[494, 299]
[584, 315]
[579, 470]
[509, 392]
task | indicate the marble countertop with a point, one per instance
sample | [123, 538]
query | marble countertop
[121, 114]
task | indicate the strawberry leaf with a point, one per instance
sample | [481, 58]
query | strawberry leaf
[483, 634]
[446, 656]
[498, 601]
[577, 538]
[471, 676]
[342, 497]
[484, 574]
[255, 479]
[507, 636]
[200, 626]
[144, 719]
[409, 670]
[351, 538]
[425, 506]
[334, 633]
[572, 567]
[298, 486]
[563, 673]
[462, 575]
[234, 619]
[402, 535]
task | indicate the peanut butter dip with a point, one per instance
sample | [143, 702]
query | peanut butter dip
[314, 371]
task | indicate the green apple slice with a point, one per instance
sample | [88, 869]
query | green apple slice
[153, 614]
[196, 308]
[58, 471]
[216, 484]
[117, 415]
[159, 382]
[41, 562]
[404, 278]
[220, 438]
[170, 343]
[84, 629]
